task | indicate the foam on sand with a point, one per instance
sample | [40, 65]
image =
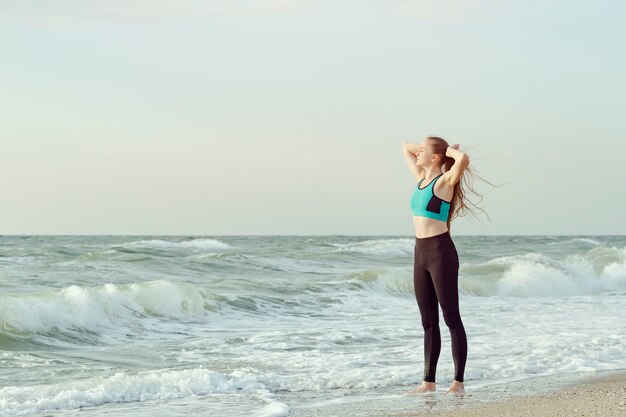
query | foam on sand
[140, 387]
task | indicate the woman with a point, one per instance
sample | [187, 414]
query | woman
[437, 199]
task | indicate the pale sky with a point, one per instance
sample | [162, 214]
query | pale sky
[288, 117]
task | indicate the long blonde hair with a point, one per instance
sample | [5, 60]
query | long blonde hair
[460, 203]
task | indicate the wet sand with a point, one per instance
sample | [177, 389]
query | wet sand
[603, 396]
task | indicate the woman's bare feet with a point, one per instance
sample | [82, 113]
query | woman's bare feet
[457, 388]
[426, 387]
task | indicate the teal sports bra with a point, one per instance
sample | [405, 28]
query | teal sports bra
[425, 203]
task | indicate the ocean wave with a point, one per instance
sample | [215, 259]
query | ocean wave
[600, 270]
[587, 241]
[75, 310]
[389, 281]
[186, 244]
[113, 313]
[398, 247]
[241, 261]
[538, 275]
[302, 266]
[124, 387]
[109, 254]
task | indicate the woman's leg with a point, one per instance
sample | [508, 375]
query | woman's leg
[427, 302]
[444, 269]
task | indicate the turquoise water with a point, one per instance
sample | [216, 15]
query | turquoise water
[278, 325]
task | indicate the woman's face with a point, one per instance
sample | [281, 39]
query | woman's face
[424, 154]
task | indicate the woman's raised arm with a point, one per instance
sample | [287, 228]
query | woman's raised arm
[461, 161]
[409, 150]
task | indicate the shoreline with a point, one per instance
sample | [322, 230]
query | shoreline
[603, 395]
[589, 393]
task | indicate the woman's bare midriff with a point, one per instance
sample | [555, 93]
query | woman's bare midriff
[427, 227]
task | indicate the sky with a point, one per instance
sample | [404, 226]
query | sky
[287, 117]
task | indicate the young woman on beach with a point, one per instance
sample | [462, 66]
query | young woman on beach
[439, 197]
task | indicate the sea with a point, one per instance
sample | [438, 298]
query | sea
[272, 326]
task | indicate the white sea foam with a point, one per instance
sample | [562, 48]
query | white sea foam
[615, 275]
[274, 409]
[187, 244]
[587, 241]
[147, 386]
[95, 308]
[538, 275]
[374, 343]
[399, 247]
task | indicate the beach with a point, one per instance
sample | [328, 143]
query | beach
[602, 396]
[567, 395]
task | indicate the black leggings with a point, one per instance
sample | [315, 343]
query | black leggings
[435, 278]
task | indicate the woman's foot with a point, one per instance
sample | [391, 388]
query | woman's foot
[426, 387]
[457, 388]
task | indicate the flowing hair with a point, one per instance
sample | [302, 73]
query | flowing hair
[460, 205]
